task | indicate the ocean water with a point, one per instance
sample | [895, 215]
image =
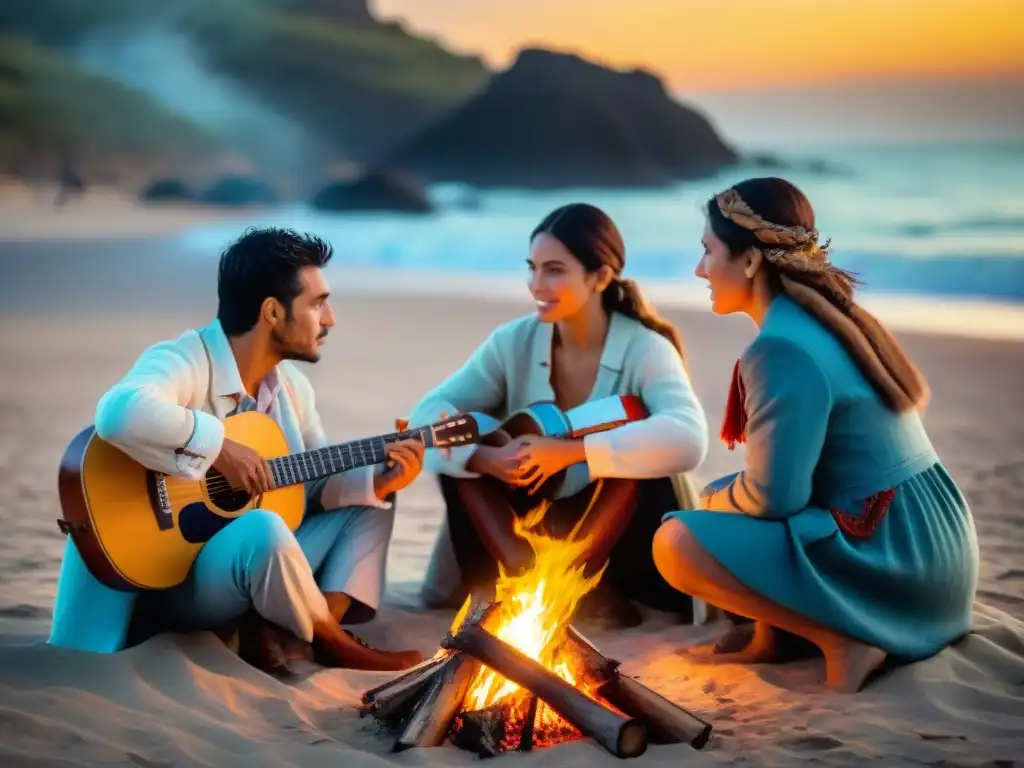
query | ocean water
[943, 221]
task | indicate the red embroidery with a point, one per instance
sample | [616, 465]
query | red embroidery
[734, 424]
[874, 509]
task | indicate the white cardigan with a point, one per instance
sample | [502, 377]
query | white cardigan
[512, 369]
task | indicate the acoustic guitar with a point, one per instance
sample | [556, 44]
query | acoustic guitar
[140, 529]
[546, 419]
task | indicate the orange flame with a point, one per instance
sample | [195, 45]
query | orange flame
[534, 611]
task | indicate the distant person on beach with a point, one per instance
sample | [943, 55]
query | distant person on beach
[844, 528]
[71, 183]
[592, 336]
[167, 413]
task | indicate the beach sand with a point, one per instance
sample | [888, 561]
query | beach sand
[76, 313]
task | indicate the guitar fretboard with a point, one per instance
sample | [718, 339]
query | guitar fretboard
[323, 462]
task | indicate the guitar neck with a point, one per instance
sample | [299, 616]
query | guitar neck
[323, 462]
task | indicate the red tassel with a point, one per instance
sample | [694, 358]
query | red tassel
[874, 510]
[734, 424]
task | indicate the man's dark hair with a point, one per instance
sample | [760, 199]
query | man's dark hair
[260, 264]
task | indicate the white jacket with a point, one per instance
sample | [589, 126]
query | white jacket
[166, 413]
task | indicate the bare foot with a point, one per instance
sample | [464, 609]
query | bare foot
[260, 644]
[848, 664]
[335, 647]
[755, 643]
[735, 639]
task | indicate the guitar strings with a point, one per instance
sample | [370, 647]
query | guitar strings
[221, 484]
[590, 505]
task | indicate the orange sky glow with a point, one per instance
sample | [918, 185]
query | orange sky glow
[710, 45]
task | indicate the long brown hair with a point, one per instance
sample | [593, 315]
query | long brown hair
[589, 234]
[773, 215]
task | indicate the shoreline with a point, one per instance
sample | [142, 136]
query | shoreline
[905, 313]
[109, 221]
[154, 263]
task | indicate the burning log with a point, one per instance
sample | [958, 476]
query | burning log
[483, 731]
[529, 723]
[394, 699]
[622, 736]
[594, 665]
[429, 721]
[444, 689]
[667, 723]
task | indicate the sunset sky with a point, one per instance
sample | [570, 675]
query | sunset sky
[740, 44]
[719, 52]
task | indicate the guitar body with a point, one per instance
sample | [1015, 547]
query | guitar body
[546, 419]
[140, 529]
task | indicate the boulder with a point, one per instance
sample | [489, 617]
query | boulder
[238, 191]
[557, 120]
[379, 190]
[167, 190]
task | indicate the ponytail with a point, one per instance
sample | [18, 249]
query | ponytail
[828, 296]
[776, 218]
[625, 297]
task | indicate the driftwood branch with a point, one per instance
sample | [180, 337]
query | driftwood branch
[393, 700]
[667, 723]
[594, 666]
[622, 736]
[441, 698]
[430, 719]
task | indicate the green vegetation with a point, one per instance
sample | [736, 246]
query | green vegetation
[361, 86]
[49, 108]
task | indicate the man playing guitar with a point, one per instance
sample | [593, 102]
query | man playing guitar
[167, 414]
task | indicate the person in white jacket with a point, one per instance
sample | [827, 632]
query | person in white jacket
[167, 413]
[592, 337]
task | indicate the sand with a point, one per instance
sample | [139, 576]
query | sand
[77, 310]
[29, 211]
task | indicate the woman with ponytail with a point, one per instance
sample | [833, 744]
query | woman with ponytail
[844, 528]
[592, 336]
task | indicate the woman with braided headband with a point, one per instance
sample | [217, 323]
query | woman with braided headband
[844, 528]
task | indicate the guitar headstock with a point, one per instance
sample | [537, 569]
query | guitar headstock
[460, 429]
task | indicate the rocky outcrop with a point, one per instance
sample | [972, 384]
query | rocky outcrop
[166, 189]
[556, 120]
[376, 191]
[352, 12]
[238, 191]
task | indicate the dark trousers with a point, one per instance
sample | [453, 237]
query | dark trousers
[631, 568]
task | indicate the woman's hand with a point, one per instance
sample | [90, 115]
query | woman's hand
[499, 462]
[541, 457]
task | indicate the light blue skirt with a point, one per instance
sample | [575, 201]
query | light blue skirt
[907, 589]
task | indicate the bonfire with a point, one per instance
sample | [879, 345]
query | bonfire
[514, 674]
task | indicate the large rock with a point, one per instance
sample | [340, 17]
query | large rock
[352, 12]
[237, 190]
[167, 189]
[556, 120]
[376, 191]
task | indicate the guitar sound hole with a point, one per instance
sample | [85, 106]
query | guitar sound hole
[223, 495]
